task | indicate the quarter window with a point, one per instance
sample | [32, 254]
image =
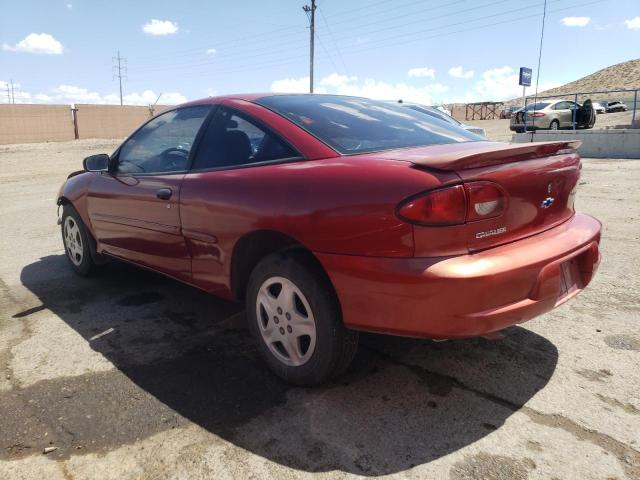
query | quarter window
[232, 139]
[163, 145]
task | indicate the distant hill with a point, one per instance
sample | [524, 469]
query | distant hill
[623, 75]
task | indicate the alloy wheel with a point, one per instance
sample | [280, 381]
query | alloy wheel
[73, 241]
[286, 321]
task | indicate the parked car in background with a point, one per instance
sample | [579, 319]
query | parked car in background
[508, 111]
[599, 107]
[328, 215]
[440, 115]
[616, 107]
[553, 115]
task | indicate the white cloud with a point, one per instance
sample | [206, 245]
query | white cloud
[36, 43]
[73, 94]
[294, 85]
[575, 21]
[148, 97]
[633, 24]
[211, 51]
[160, 27]
[421, 72]
[335, 80]
[458, 72]
[67, 94]
[499, 84]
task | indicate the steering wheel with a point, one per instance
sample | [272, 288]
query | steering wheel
[173, 152]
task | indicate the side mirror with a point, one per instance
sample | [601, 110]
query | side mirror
[97, 163]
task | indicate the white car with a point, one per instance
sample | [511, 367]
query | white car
[599, 108]
[437, 112]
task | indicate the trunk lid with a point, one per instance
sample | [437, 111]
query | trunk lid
[539, 180]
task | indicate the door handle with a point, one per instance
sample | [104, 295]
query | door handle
[164, 193]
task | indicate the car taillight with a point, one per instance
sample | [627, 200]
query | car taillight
[537, 115]
[484, 200]
[455, 205]
[446, 206]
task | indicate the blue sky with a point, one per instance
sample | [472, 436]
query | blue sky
[438, 51]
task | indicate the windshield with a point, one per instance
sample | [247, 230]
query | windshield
[537, 106]
[358, 125]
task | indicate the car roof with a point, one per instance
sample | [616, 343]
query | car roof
[252, 97]
[249, 97]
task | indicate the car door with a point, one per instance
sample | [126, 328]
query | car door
[563, 113]
[134, 208]
[230, 170]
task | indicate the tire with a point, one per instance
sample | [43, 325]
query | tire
[554, 125]
[78, 244]
[295, 318]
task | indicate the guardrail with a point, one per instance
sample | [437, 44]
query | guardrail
[634, 121]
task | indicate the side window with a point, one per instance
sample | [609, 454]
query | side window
[163, 144]
[232, 139]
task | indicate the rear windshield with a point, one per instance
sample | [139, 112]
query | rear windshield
[357, 125]
[537, 106]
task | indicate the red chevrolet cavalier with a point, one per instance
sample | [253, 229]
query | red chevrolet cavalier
[329, 215]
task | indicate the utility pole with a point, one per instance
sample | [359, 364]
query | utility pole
[311, 12]
[119, 66]
[13, 97]
[8, 93]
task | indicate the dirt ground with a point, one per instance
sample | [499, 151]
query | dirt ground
[498, 130]
[130, 375]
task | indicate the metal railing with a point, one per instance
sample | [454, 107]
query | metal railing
[627, 101]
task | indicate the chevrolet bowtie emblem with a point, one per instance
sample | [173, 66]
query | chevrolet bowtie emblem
[547, 202]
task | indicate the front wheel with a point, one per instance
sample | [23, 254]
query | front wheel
[555, 125]
[76, 242]
[295, 317]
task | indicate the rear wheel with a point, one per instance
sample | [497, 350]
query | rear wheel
[555, 125]
[76, 242]
[295, 317]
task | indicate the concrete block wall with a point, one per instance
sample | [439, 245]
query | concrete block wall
[622, 143]
[54, 123]
[35, 123]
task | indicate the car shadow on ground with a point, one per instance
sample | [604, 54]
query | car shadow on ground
[183, 356]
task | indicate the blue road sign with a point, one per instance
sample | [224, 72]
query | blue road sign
[525, 76]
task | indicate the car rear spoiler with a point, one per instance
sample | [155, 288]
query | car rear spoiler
[480, 154]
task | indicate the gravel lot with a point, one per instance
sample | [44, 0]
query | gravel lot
[130, 375]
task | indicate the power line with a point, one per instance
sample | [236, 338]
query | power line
[264, 44]
[414, 37]
[311, 13]
[335, 44]
[266, 51]
[386, 41]
[119, 66]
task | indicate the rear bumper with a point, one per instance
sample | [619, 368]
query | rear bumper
[467, 295]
